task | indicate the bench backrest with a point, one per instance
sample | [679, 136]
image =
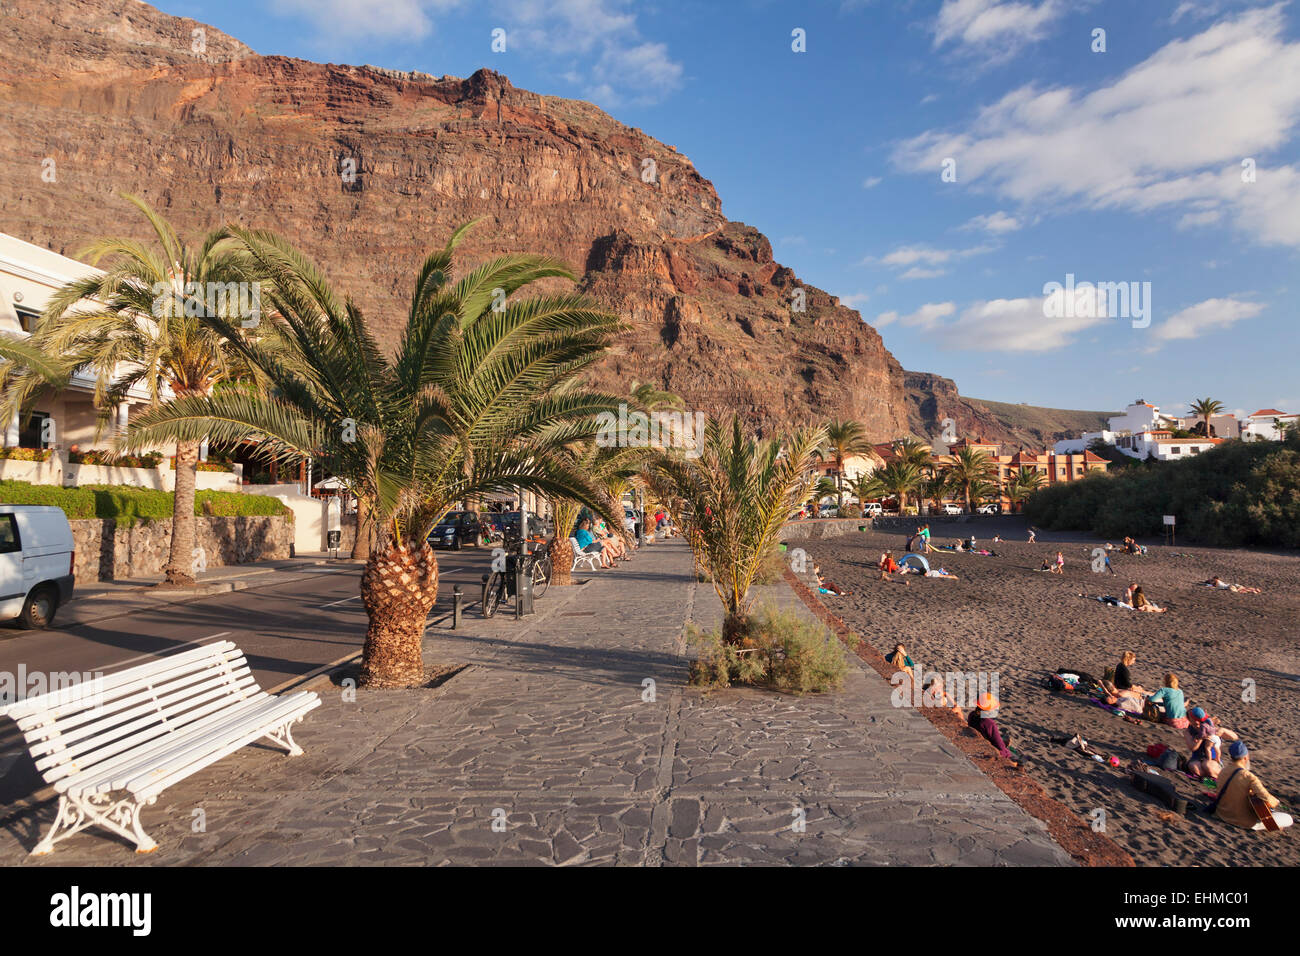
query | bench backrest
[72, 729]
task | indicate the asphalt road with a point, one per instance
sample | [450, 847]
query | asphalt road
[296, 623]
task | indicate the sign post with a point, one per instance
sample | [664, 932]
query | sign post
[1169, 525]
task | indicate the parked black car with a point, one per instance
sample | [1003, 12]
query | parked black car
[508, 523]
[456, 529]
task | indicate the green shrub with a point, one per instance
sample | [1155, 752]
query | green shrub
[1237, 493]
[784, 652]
[127, 505]
[96, 456]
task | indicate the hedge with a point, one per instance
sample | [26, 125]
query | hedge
[126, 504]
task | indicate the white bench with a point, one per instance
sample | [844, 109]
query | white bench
[590, 558]
[110, 746]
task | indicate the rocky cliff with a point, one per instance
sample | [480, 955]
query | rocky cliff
[366, 169]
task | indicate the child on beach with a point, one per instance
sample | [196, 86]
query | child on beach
[1059, 568]
[1033, 535]
[887, 565]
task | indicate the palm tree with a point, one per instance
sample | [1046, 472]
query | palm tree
[968, 467]
[822, 488]
[866, 487]
[844, 440]
[984, 491]
[736, 496]
[1205, 409]
[1023, 484]
[146, 328]
[475, 399]
[912, 451]
[900, 479]
[935, 486]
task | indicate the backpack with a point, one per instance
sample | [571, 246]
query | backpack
[1159, 788]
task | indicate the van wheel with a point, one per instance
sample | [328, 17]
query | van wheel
[38, 610]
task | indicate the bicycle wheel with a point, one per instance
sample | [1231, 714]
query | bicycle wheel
[541, 576]
[494, 589]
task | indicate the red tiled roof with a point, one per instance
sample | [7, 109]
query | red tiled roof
[1266, 411]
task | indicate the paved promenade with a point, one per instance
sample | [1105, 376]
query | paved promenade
[572, 738]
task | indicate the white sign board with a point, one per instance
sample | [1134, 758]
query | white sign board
[1169, 519]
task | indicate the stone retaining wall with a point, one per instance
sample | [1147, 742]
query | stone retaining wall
[106, 552]
[814, 528]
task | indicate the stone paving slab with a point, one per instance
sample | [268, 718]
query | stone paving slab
[572, 738]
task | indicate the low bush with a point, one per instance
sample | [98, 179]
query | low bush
[127, 505]
[96, 456]
[783, 652]
[25, 454]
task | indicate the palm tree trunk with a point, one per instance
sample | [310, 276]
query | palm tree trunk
[561, 561]
[180, 561]
[398, 588]
[361, 545]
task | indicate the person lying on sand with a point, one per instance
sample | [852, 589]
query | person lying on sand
[1239, 785]
[940, 573]
[983, 720]
[1217, 582]
[937, 696]
[1107, 599]
[826, 587]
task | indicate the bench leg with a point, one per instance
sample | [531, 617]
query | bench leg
[283, 735]
[119, 816]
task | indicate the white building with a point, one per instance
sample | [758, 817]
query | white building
[1139, 417]
[1265, 425]
[1162, 445]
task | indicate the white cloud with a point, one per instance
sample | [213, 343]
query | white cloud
[871, 182]
[1172, 132]
[1208, 316]
[999, 25]
[924, 318]
[623, 67]
[916, 272]
[342, 20]
[855, 301]
[995, 223]
[926, 255]
[593, 44]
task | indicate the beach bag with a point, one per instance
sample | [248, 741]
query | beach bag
[1159, 788]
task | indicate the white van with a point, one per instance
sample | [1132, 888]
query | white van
[872, 508]
[36, 563]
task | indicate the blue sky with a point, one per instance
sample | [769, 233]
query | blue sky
[1122, 165]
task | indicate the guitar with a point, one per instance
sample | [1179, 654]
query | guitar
[1261, 808]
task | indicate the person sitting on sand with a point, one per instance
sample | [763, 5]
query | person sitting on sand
[1204, 745]
[997, 539]
[983, 720]
[1218, 582]
[826, 587]
[1169, 703]
[1239, 785]
[936, 695]
[901, 661]
[887, 565]
[1198, 715]
[1140, 603]
[1123, 677]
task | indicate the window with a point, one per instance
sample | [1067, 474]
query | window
[27, 318]
[30, 437]
[9, 542]
[1196, 449]
[1176, 450]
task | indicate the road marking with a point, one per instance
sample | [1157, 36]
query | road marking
[355, 597]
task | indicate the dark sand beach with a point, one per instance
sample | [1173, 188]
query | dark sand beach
[1002, 615]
